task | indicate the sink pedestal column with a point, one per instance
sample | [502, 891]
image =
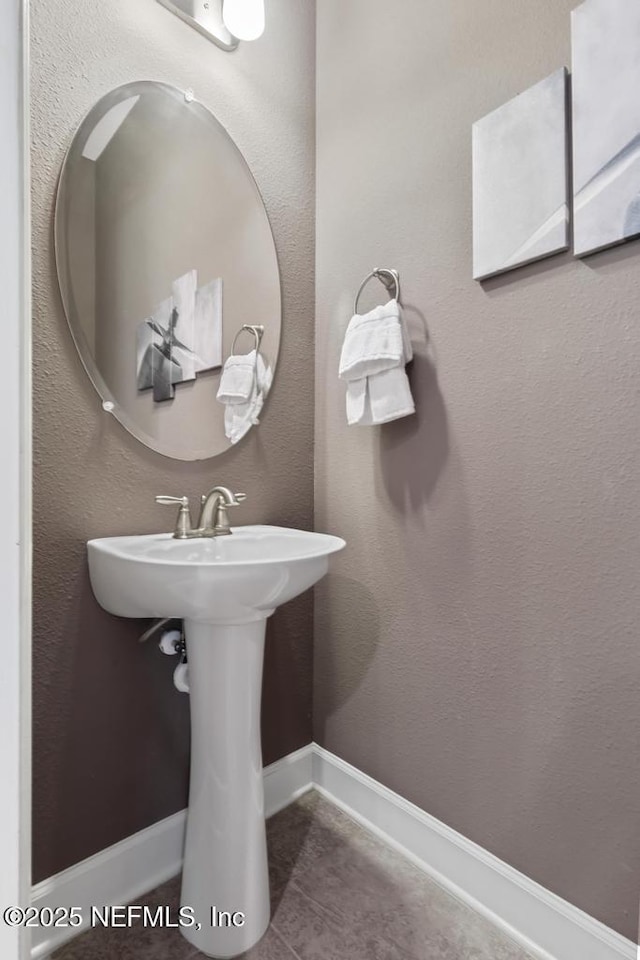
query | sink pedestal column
[225, 863]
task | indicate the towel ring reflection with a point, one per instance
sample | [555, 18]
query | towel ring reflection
[256, 330]
[390, 279]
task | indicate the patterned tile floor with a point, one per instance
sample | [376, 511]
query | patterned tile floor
[338, 893]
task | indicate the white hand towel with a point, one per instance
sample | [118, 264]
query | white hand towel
[238, 378]
[243, 393]
[379, 399]
[375, 341]
[375, 350]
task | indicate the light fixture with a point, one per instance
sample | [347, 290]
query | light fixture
[225, 22]
[244, 18]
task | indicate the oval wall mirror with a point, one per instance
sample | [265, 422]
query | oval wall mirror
[167, 265]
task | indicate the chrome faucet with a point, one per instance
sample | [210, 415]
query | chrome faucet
[214, 519]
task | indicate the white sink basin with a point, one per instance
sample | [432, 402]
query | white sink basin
[235, 579]
[224, 589]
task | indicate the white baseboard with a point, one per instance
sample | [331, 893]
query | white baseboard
[547, 926]
[287, 779]
[125, 871]
[114, 876]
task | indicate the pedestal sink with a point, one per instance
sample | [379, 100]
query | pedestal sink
[224, 589]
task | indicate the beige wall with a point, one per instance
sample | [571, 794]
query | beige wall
[111, 734]
[476, 648]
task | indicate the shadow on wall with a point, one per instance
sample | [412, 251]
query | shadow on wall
[415, 450]
[287, 680]
[528, 275]
[341, 667]
[533, 274]
[116, 712]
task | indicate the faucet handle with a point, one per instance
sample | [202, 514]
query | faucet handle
[221, 523]
[183, 528]
[237, 499]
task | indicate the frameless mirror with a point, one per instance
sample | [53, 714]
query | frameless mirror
[167, 265]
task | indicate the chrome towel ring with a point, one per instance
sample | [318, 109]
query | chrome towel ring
[390, 279]
[256, 330]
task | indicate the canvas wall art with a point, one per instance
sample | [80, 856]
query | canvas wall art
[606, 123]
[183, 292]
[520, 183]
[183, 337]
[208, 326]
[154, 352]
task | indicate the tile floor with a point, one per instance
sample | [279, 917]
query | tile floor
[338, 893]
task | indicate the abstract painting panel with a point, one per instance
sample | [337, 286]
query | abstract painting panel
[606, 123]
[208, 326]
[520, 193]
[145, 341]
[154, 348]
[184, 302]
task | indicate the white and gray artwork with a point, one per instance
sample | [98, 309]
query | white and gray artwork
[155, 341]
[183, 291]
[208, 335]
[183, 337]
[606, 123]
[520, 186]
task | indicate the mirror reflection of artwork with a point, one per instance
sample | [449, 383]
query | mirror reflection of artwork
[155, 200]
[183, 330]
[208, 326]
[182, 338]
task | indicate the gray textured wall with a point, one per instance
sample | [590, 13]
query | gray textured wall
[477, 644]
[111, 734]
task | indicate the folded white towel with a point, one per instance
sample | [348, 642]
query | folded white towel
[375, 341]
[375, 350]
[238, 378]
[379, 399]
[244, 384]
